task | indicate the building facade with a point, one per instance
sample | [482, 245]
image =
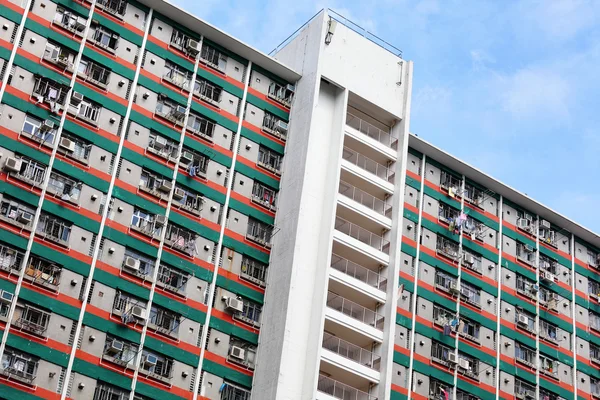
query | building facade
[147, 251]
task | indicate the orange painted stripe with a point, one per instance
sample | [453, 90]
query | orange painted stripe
[399, 389]
[414, 175]
[12, 6]
[190, 348]
[186, 394]
[266, 98]
[223, 361]
[80, 210]
[63, 298]
[411, 208]
[259, 131]
[117, 272]
[107, 316]
[126, 25]
[34, 390]
[53, 344]
[253, 165]
[234, 277]
[482, 211]
[243, 199]
[401, 349]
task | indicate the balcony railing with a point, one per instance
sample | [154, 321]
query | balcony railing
[181, 239]
[351, 351]
[364, 198]
[368, 165]
[359, 272]
[363, 235]
[371, 130]
[340, 390]
[10, 259]
[354, 310]
[31, 172]
[54, 230]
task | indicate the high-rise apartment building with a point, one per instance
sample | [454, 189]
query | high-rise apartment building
[147, 252]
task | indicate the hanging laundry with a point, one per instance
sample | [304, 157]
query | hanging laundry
[451, 226]
[462, 217]
[180, 242]
[451, 192]
[52, 93]
[454, 322]
[192, 171]
[447, 330]
[461, 326]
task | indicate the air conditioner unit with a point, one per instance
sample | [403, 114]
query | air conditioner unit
[186, 158]
[47, 126]
[523, 223]
[165, 186]
[138, 312]
[24, 218]
[455, 287]
[6, 297]
[234, 304]
[160, 220]
[464, 364]
[132, 264]
[468, 259]
[13, 164]
[67, 144]
[178, 194]
[160, 142]
[535, 288]
[179, 111]
[452, 358]
[281, 127]
[150, 360]
[291, 88]
[115, 347]
[237, 352]
[523, 320]
[528, 248]
[547, 276]
[76, 98]
[545, 224]
[193, 46]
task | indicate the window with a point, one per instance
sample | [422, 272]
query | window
[213, 57]
[46, 90]
[171, 111]
[32, 171]
[470, 294]
[199, 164]
[88, 111]
[447, 247]
[460, 395]
[524, 389]
[548, 331]
[442, 316]
[269, 159]
[172, 278]
[208, 91]
[10, 259]
[527, 287]
[473, 195]
[444, 281]
[439, 389]
[145, 223]
[281, 93]
[250, 314]
[162, 146]
[176, 75]
[81, 150]
[179, 39]
[201, 126]
[58, 55]
[593, 288]
[595, 386]
[16, 212]
[188, 200]
[32, 320]
[145, 264]
[94, 73]
[19, 365]
[70, 21]
[254, 271]
[242, 352]
[154, 183]
[593, 258]
[165, 321]
[275, 126]
[232, 392]
[181, 239]
[525, 354]
[33, 127]
[259, 231]
[114, 7]
[440, 353]
[105, 391]
[548, 365]
[264, 195]
[526, 253]
[67, 189]
[447, 213]
[54, 228]
[156, 364]
[525, 320]
[106, 38]
[449, 181]
[119, 351]
[548, 264]
[43, 272]
[594, 353]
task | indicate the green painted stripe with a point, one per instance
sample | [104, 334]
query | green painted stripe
[9, 392]
[477, 282]
[264, 105]
[101, 99]
[427, 370]
[184, 310]
[239, 289]
[262, 140]
[441, 197]
[401, 359]
[81, 175]
[518, 236]
[121, 284]
[23, 149]
[39, 350]
[515, 301]
[408, 249]
[557, 355]
[557, 289]
[11, 14]
[477, 353]
[62, 259]
[412, 182]
[435, 335]
[245, 249]
[227, 373]
[103, 374]
[138, 201]
[52, 35]
[561, 260]
[172, 351]
[145, 162]
[557, 389]
[479, 249]
[251, 211]
[518, 372]
[437, 299]
[154, 392]
[514, 267]
[477, 317]
[257, 175]
[185, 265]
[7, 285]
[105, 61]
[49, 303]
[475, 390]
[438, 264]
[69, 215]
[78, 8]
[404, 321]
[111, 328]
[397, 396]
[408, 284]
[562, 324]
[519, 337]
[20, 194]
[39, 69]
[588, 370]
[126, 240]
[194, 226]
[123, 32]
[156, 87]
[233, 330]
[90, 136]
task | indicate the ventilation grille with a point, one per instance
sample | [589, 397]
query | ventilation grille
[89, 297]
[82, 289]
[61, 380]
[72, 333]
[92, 245]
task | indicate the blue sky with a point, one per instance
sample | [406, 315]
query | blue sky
[508, 86]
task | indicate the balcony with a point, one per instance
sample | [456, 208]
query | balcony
[16, 214]
[33, 321]
[27, 171]
[365, 199]
[59, 56]
[526, 254]
[201, 127]
[181, 239]
[172, 279]
[172, 112]
[339, 390]
[10, 259]
[264, 196]
[188, 201]
[358, 272]
[163, 148]
[447, 248]
[43, 273]
[147, 225]
[524, 391]
[18, 366]
[351, 357]
[355, 311]
[93, 73]
[254, 272]
[114, 7]
[368, 165]
[362, 235]
[51, 92]
[259, 232]
[208, 92]
[366, 128]
[54, 230]
[269, 160]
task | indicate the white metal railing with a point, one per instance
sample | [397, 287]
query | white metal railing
[363, 235]
[33, 320]
[524, 390]
[340, 390]
[351, 351]
[10, 259]
[354, 310]
[447, 247]
[259, 232]
[371, 130]
[368, 165]
[269, 160]
[359, 272]
[364, 198]
[181, 238]
[31, 171]
[54, 229]
[253, 271]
